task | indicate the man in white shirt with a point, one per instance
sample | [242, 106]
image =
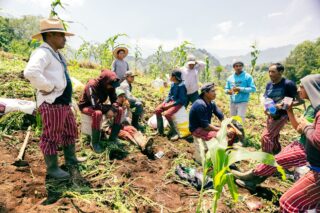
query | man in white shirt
[190, 75]
[47, 72]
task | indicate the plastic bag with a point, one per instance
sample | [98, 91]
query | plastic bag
[13, 105]
[152, 122]
[181, 120]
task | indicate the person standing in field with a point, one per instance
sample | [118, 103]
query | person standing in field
[47, 72]
[278, 88]
[119, 65]
[190, 75]
[239, 86]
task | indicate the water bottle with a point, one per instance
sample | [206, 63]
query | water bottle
[270, 106]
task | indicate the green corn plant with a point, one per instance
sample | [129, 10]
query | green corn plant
[219, 157]
[254, 56]
[180, 54]
[206, 73]
[53, 13]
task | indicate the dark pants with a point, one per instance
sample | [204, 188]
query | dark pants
[192, 98]
[138, 108]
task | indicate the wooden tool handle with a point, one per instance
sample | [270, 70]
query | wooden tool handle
[24, 144]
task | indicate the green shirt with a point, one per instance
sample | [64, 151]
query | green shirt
[309, 114]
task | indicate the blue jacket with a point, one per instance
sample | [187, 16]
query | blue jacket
[177, 93]
[245, 82]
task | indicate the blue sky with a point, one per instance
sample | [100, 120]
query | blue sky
[224, 28]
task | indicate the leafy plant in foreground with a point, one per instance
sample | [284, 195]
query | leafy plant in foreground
[218, 159]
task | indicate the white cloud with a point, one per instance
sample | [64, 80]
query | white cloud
[149, 44]
[225, 26]
[270, 15]
[240, 24]
[234, 45]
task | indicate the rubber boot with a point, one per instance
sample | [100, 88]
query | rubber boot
[95, 141]
[173, 130]
[160, 128]
[69, 152]
[53, 169]
[247, 176]
[135, 122]
[252, 184]
[247, 179]
[114, 133]
[72, 165]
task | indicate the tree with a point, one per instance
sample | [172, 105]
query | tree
[180, 54]
[218, 71]
[6, 34]
[303, 60]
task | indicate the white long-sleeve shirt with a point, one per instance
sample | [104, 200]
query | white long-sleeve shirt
[46, 73]
[191, 77]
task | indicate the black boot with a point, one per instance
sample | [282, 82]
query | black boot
[53, 169]
[160, 128]
[114, 133]
[95, 141]
[135, 122]
[173, 130]
[247, 179]
[252, 184]
[69, 152]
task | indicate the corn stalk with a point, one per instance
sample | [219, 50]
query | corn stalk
[254, 56]
[220, 157]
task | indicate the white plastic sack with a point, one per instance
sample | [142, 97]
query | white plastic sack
[181, 120]
[86, 122]
[12, 105]
[152, 122]
[157, 83]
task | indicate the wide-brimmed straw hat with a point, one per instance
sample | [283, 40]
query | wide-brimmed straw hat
[115, 51]
[51, 25]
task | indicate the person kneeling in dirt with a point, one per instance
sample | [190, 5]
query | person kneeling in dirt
[92, 103]
[304, 194]
[127, 131]
[176, 98]
[47, 72]
[135, 103]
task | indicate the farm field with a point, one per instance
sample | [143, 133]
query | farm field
[130, 182]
